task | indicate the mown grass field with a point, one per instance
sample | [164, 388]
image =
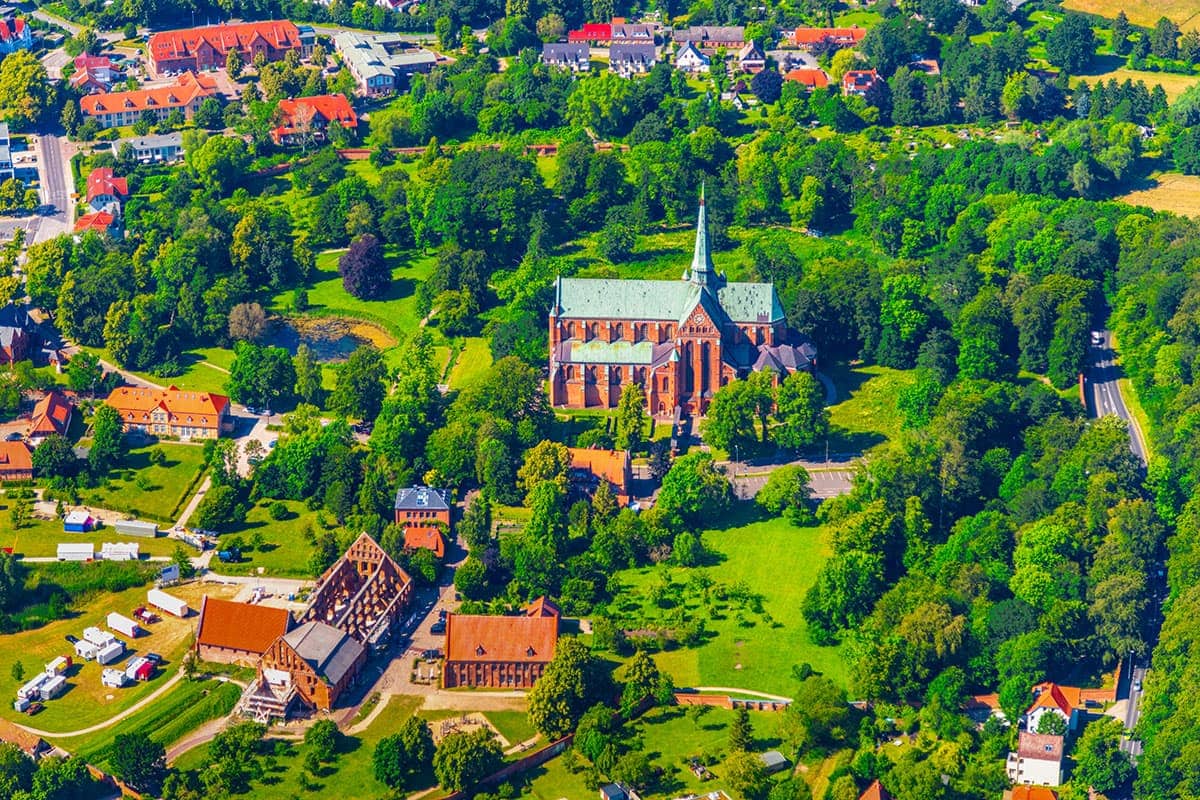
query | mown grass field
[287, 549]
[144, 489]
[865, 412]
[473, 360]
[39, 538]
[1171, 191]
[1184, 13]
[746, 648]
[670, 737]
[86, 702]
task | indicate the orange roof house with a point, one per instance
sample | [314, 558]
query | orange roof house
[542, 607]
[827, 38]
[312, 115]
[859, 81]
[238, 633]
[112, 109]
[1033, 793]
[52, 414]
[498, 652]
[206, 48]
[16, 463]
[875, 792]
[427, 538]
[613, 466]
[100, 222]
[1065, 701]
[31, 744]
[809, 78]
[171, 412]
[101, 182]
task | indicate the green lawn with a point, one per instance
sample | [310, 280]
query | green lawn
[752, 643]
[513, 725]
[287, 548]
[865, 414]
[351, 777]
[197, 374]
[473, 360]
[39, 538]
[396, 313]
[670, 736]
[144, 489]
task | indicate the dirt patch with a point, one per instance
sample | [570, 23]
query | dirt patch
[464, 724]
[333, 339]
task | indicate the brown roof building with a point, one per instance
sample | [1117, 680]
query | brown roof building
[591, 465]
[31, 744]
[875, 792]
[16, 464]
[207, 48]
[498, 652]
[314, 663]
[113, 109]
[238, 633]
[51, 415]
[188, 415]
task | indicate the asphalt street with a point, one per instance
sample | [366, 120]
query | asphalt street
[1104, 394]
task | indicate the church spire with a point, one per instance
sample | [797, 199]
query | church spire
[702, 272]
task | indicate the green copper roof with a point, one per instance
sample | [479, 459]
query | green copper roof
[600, 298]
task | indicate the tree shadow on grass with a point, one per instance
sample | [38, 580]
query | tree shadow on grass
[1102, 64]
[842, 440]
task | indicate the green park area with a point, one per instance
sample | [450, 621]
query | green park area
[865, 412]
[753, 633]
[278, 547]
[153, 482]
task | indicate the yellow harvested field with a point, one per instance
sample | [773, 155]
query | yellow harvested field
[1185, 13]
[1171, 192]
[1173, 85]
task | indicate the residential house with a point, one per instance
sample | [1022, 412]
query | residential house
[679, 340]
[51, 415]
[859, 81]
[1050, 698]
[113, 109]
[30, 744]
[631, 33]
[808, 78]
[926, 66]
[93, 74]
[574, 56]
[429, 539]
[597, 33]
[751, 58]
[102, 223]
[590, 465]
[14, 35]
[7, 170]
[208, 47]
[19, 339]
[171, 412]
[16, 463]
[105, 191]
[422, 507]
[314, 663]
[875, 792]
[381, 63]
[1026, 792]
[632, 59]
[309, 117]
[1037, 760]
[711, 37]
[819, 40]
[238, 633]
[498, 652]
[164, 147]
[690, 59]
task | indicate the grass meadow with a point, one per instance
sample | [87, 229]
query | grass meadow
[145, 489]
[1169, 191]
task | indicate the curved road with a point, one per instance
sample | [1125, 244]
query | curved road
[113, 720]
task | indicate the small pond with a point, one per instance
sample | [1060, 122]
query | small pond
[332, 339]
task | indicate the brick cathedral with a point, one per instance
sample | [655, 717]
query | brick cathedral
[679, 340]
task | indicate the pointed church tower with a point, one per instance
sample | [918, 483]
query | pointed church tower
[702, 272]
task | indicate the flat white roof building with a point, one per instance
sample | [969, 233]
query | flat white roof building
[381, 63]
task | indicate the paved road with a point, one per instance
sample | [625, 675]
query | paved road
[59, 22]
[1103, 392]
[54, 61]
[54, 171]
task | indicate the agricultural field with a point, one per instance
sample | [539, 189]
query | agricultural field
[86, 702]
[1183, 13]
[1173, 84]
[670, 736]
[754, 631]
[1169, 191]
[143, 488]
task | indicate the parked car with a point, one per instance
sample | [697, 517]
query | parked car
[15, 436]
[71, 639]
[438, 627]
[154, 658]
[35, 708]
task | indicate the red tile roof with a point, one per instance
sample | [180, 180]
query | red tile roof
[542, 607]
[875, 792]
[428, 538]
[611, 465]
[15, 457]
[303, 111]
[11, 29]
[1033, 793]
[812, 78]
[528, 640]
[101, 181]
[240, 626]
[100, 222]
[591, 32]
[852, 35]
[859, 79]
[1050, 695]
[279, 34]
[52, 414]
[197, 409]
[30, 743]
[85, 61]
[1040, 746]
[186, 89]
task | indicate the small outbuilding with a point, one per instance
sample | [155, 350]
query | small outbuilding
[774, 761]
[110, 652]
[85, 650]
[98, 637]
[120, 551]
[58, 666]
[113, 678]
[612, 791]
[53, 687]
[165, 602]
[78, 522]
[76, 551]
[124, 625]
[136, 527]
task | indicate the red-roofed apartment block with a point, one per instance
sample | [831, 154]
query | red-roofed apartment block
[808, 78]
[820, 39]
[310, 116]
[207, 48]
[113, 109]
[592, 33]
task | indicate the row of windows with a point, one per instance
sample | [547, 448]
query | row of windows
[641, 332]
